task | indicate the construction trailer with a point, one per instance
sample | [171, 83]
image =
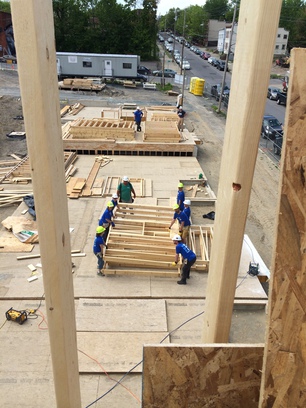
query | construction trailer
[80, 65]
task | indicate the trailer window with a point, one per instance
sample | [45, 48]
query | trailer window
[87, 64]
[127, 65]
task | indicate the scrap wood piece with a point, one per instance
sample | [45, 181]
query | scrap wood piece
[9, 243]
[141, 272]
[86, 192]
[65, 109]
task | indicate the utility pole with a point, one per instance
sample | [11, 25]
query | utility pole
[175, 18]
[226, 61]
[183, 44]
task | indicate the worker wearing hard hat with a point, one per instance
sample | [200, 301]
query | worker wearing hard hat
[188, 257]
[114, 200]
[125, 191]
[107, 219]
[180, 196]
[181, 114]
[187, 209]
[138, 114]
[184, 222]
[98, 245]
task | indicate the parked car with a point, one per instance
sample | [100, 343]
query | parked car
[220, 65]
[205, 55]
[281, 98]
[185, 64]
[272, 93]
[271, 127]
[169, 73]
[141, 78]
[216, 91]
[143, 70]
[212, 60]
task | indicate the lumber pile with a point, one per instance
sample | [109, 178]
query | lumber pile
[129, 84]
[9, 197]
[164, 116]
[161, 132]
[80, 84]
[102, 129]
[71, 109]
[90, 186]
[19, 172]
[199, 191]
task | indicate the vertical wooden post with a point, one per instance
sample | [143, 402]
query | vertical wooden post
[34, 35]
[284, 377]
[258, 22]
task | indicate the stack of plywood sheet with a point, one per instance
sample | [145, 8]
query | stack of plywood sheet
[102, 129]
[141, 243]
[162, 132]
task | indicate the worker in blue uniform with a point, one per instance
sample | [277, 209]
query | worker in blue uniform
[98, 249]
[180, 196]
[188, 258]
[184, 222]
[138, 114]
[107, 219]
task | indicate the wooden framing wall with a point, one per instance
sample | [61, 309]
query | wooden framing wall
[162, 132]
[141, 243]
[102, 129]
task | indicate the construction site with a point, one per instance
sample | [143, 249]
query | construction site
[233, 335]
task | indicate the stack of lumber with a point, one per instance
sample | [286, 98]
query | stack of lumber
[80, 84]
[71, 109]
[91, 186]
[141, 244]
[129, 84]
[161, 132]
[20, 170]
[102, 129]
[9, 197]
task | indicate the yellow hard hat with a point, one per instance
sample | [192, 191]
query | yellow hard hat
[176, 206]
[180, 185]
[99, 230]
[110, 204]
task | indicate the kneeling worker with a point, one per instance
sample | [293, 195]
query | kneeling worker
[189, 258]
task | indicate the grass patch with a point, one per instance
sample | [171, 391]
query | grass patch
[221, 113]
[167, 87]
[276, 76]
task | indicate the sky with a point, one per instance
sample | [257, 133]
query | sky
[165, 5]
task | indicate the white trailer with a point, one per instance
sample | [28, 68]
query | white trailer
[80, 65]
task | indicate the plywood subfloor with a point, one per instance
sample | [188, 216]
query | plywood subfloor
[125, 315]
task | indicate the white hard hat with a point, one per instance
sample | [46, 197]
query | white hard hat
[125, 178]
[187, 202]
[180, 107]
[176, 238]
[115, 196]
[138, 107]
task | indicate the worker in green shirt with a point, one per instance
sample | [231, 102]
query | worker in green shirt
[125, 191]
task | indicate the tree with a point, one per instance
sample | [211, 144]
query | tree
[5, 6]
[216, 9]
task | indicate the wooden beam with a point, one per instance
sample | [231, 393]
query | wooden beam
[34, 36]
[258, 22]
[283, 382]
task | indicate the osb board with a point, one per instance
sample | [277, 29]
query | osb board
[216, 376]
[116, 352]
[129, 315]
[10, 243]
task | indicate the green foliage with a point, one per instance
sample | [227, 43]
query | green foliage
[105, 26]
[216, 9]
[5, 6]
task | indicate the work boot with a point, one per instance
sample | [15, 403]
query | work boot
[100, 273]
[181, 282]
